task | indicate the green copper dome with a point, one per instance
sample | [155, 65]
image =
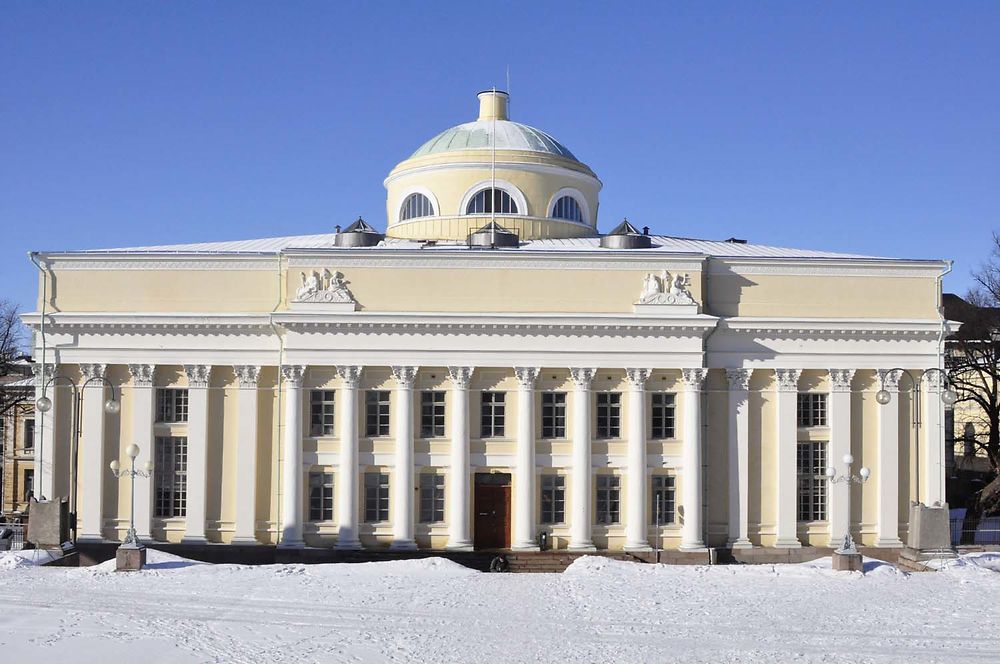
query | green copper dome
[509, 136]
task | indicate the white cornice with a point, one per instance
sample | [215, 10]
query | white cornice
[496, 259]
[841, 328]
[136, 260]
[841, 267]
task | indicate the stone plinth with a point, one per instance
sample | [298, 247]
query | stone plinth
[48, 524]
[930, 529]
[848, 562]
[130, 558]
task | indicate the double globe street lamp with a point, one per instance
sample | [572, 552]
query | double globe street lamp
[131, 540]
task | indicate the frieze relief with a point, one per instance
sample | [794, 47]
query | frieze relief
[327, 288]
[666, 293]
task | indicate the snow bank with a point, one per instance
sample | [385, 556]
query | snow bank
[155, 560]
[410, 567]
[10, 560]
[985, 561]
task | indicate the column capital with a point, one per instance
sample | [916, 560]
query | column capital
[404, 376]
[351, 375]
[142, 374]
[247, 374]
[460, 376]
[787, 380]
[292, 374]
[526, 376]
[694, 378]
[637, 377]
[582, 376]
[198, 374]
[932, 380]
[50, 371]
[93, 370]
[739, 379]
[889, 379]
[840, 379]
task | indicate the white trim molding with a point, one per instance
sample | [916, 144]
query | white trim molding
[581, 200]
[505, 185]
[406, 193]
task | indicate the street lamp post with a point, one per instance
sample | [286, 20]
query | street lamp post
[848, 547]
[44, 405]
[131, 554]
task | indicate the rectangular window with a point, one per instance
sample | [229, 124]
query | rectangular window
[29, 485]
[663, 422]
[29, 434]
[321, 496]
[812, 481]
[493, 415]
[609, 414]
[553, 499]
[431, 414]
[171, 405]
[608, 499]
[170, 476]
[321, 413]
[553, 414]
[812, 410]
[376, 497]
[376, 413]
[431, 498]
[663, 499]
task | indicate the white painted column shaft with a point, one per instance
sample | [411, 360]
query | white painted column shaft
[92, 470]
[839, 420]
[291, 468]
[932, 484]
[347, 484]
[691, 531]
[197, 452]
[245, 522]
[524, 480]
[459, 538]
[45, 429]
[143, 399]
[887, 464]
[581, 524]
[739, 457]
[637, 519]
[786, 422]
[402, 480]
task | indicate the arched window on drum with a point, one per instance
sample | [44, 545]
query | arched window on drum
[567, 208]
[490, 201]
[415, 206]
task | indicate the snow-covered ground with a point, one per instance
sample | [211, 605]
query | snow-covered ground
[434, 610]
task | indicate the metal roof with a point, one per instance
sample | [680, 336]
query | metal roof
[478, 136]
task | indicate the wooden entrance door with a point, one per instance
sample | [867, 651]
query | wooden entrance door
[492, 523]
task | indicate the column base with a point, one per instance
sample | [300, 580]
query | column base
[741, 543]
[697, 547]
[787, 544]
[637, 547]
[348, 545]
[582, 547]
[888, 543]
[90, 539]
[403, 545]
[525, 546]
[194, 539]
[245, 541]
[292, 544]
[460, 545]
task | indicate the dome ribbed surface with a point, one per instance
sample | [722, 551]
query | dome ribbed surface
[509, 136]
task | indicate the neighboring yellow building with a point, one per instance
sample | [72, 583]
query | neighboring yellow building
[443, 387]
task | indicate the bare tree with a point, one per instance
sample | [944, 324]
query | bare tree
[974, 367]
[12, 340]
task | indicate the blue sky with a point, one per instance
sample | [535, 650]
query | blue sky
[869, 127]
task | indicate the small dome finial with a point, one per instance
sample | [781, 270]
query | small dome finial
[493, 105]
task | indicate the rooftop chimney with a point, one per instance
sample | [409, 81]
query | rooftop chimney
[493, 105]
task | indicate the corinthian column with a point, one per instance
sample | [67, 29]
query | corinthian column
[787, 382]
[887, 466]
[197, 452]
[839, 418]
[459, 538]
[143, 399]
[932, 459]
[402, 509]
[739, 457]
[524, 482]
[45, 425]
[691, 538]
[636, 531]
[89, 507]
[581, 527]
[291, 469]
[347, 485]
[245, 522]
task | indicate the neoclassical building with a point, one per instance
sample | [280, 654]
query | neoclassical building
[488, 369]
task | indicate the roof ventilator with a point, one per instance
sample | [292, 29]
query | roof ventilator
[626, 236]
[493, 236]
[358, 234]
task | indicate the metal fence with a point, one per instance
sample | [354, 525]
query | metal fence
[972, 531]
[11, 536]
